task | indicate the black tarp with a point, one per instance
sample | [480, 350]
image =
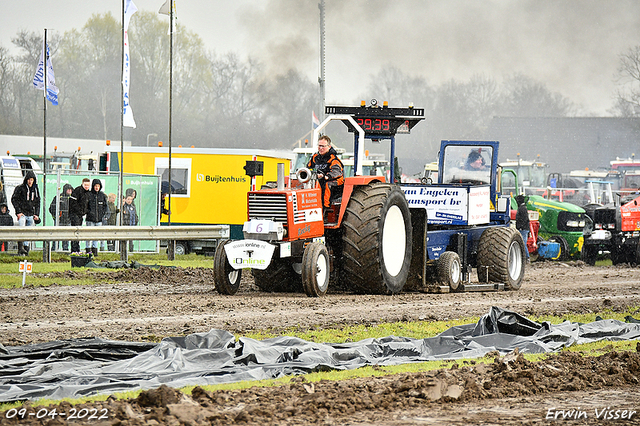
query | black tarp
[81, 367]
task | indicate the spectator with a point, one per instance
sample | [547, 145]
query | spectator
[522, 221]
[5, 220]
[78, 208]
[129, 215]
[113, 217]
[26, 203]
[97, 212]
[133, 193]
[63, 212]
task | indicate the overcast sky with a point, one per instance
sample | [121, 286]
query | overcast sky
[571, 46]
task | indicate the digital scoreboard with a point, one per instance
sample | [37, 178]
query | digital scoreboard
[380, 121]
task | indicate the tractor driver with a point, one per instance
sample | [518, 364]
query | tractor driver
[475, 162]
[329, 170]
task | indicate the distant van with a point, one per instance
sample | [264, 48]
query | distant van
[10, 177]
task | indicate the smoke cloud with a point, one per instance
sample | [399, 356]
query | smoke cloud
[572, 47]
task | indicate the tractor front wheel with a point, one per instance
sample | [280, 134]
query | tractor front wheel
[278, 277]
[589, 255]
[315, 270]
[564, 247]
[501, 253]
[377, 239]
[226, 278]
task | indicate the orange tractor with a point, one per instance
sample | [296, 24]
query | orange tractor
[368, 229]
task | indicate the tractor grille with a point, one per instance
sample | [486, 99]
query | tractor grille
[571, 222]
[604, 218]
[268, 206]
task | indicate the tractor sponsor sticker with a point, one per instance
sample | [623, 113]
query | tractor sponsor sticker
[253, 254]
[306, 207]
[479, 205]
[451, 205]
[313, 215]
[308, 199]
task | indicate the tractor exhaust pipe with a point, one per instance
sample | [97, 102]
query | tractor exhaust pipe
[280, 176]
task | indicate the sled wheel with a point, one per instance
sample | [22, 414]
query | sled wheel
[589, 255]
[377, 239]
[449, 270]
[226, 278]
[279, 277]
[315, 270]
[501, 254]
[564, 247]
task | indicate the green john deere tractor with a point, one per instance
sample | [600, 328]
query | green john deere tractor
[560, 222]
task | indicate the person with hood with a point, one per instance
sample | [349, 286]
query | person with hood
[97, 212]
[26, 204]
[61, 204]
[329, 171]
[78, 208]
[5, 220]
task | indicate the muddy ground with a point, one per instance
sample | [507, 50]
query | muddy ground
[148, 304]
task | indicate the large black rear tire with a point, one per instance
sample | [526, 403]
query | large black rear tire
[377, 239]
[501, 253]
[227, 279]
[279, 277]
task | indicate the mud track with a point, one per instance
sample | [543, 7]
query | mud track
[149, 304]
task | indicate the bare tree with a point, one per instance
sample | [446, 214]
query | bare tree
[628, 78]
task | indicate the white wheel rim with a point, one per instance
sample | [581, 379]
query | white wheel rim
[394, 241]
[233, 276]
[322, 272]
[455, 272]
[515, 260]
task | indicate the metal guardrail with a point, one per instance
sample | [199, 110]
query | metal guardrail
[81, 233]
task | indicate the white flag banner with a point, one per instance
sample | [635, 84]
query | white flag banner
[127, 119]
[165, 9]
[38, 79]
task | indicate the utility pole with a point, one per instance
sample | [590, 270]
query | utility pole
[321, 79]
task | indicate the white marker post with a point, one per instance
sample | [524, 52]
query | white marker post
[24, 267]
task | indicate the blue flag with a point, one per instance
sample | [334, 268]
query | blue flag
[38, 80]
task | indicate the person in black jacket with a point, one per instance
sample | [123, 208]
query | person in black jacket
[60, 204]
[78, 208]
[97, 212]
[5, 220]
[522, 221]
[26, 204]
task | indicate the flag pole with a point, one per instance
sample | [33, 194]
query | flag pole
[46, 255]
[171, 253]
[123, 244]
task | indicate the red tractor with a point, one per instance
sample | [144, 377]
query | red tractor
[368, 229]
[615, 230]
